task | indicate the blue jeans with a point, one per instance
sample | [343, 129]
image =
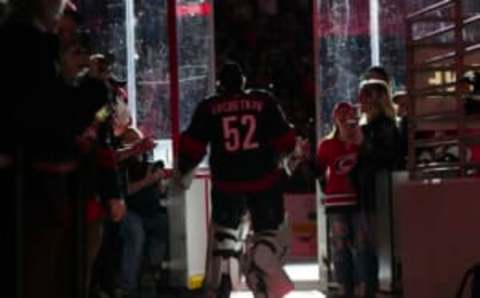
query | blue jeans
[136, 232]
[353, 249]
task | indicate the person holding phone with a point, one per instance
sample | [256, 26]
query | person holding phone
[378, 155]
[146, 219]
[336, 156]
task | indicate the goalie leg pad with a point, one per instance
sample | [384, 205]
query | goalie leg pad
[223, 259]
[265, 273]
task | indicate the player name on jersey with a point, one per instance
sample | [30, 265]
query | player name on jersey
[238, 105]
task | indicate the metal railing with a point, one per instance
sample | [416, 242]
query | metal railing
[440, 50]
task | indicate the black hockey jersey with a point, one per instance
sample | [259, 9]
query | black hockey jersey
[246, 131]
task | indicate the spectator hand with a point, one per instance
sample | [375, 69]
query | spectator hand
[179, 183]
[117, 209]
[301, 149]
[144, 145]
[300, 154]
[154, 175]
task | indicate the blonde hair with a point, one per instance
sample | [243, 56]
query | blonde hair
[335, 130]
[377, 91]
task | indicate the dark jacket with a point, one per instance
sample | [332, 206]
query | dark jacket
[378, 155]
[403, 132]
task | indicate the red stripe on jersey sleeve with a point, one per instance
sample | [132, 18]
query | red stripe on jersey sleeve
[285, 142]
[192, 148]
[106, 158]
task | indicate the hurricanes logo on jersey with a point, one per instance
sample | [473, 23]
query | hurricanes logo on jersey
[345, 163]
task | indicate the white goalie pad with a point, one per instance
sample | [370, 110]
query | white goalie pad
[225, 249]
[264, 265]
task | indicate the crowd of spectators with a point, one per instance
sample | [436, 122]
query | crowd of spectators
[69, 146]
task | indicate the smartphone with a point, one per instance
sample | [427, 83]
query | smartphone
[159, 165]
[352, 122]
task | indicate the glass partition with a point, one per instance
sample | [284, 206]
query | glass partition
[350, 36]
[137, 33]
[196, 63]
[196, 56]
[105, 19]
[342, 53]
[392, 40]
[152, 69]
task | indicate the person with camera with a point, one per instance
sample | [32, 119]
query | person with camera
[40, 71]
[144, 230]
[93, 114]
[378, 155]
[336, 156]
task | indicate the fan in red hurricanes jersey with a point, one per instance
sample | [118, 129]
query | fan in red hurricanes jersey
[247, 134]
[336, 156]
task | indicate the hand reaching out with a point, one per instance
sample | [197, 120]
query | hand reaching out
[154, 175]
[144, 145]
[136, 149]
[180, 182]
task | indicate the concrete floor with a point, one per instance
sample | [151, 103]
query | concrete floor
[306, 274]
[305, 277]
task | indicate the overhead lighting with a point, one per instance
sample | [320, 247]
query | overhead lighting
[194, 9]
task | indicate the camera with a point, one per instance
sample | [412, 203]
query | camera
[157, 165]
[149, 160]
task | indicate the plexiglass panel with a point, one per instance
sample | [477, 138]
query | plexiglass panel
[152, 68]
[342, 53]
[351, 36]
[196, 54]
[144, 60]
[105, 19]
[392, 40]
